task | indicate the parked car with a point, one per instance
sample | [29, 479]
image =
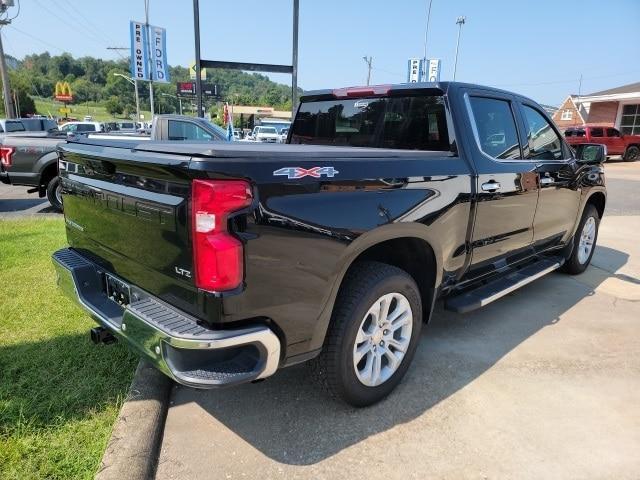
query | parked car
[88, 118]
[223, 264]
[617, 144]
[81, 127]
[127, 127]
[266, 134]
[30, 159]
[283, 135]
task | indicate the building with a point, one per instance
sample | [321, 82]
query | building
[249, 116]
[617, 107]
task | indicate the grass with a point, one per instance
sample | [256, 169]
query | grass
[47, 107]
[59, 394]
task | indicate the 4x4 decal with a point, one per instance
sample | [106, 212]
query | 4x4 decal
[299, 172]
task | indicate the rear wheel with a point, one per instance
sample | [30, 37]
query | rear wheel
[54, 193]
[373, 334]
[584, 242]
[632, 154]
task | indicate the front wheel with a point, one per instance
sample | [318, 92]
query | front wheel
[584, 242]
[632, 154]
[373, 334]
[54, 193]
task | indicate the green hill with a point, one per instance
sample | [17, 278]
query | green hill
[103, 95]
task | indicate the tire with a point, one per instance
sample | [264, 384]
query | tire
[579, 259]
[632, 154]
[54, 193]
[363, 291]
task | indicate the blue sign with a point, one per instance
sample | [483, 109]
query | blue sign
[433, 70]
[148, 53]
[414, 70]
[139, 51]
[158, 49]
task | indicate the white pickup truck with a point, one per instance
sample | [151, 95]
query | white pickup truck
[266, 134]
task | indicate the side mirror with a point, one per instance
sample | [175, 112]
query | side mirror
[591, 153]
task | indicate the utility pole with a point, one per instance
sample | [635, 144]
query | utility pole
[150, 63]
[460, 21]
[294, 60]
[368, 61]
[196, 31]
[426, 34]
[9, 109]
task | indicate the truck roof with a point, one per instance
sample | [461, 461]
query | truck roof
[434, 88]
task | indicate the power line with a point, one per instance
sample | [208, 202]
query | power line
[91, 36]
[13, 27]
[79, 14]
[557, 82]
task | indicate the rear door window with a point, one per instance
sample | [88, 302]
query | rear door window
[496, 127]
[14, 127]
[187, 131]
[406, 122]
[612, 132]
[84, 127]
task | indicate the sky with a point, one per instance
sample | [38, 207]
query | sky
[536, 48]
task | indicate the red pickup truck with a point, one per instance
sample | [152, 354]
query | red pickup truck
[617, 143]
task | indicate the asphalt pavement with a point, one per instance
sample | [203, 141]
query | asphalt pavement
[15, 202]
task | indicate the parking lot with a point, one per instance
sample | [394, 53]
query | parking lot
[544, 383]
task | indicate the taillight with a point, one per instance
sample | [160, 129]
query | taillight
[6, 154]
[217, 254]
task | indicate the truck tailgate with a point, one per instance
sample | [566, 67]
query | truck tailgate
[128, 211]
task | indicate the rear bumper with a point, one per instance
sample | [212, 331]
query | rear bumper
[171, 340]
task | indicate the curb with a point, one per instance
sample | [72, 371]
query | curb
[132, 451]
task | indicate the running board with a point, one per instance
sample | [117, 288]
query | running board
[495, 289]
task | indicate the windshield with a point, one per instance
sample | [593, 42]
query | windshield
[409, 122]
[268, 130]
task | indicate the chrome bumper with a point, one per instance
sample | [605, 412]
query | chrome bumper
[173, 341]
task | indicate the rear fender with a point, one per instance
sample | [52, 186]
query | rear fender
[356, 248]
[44, 162]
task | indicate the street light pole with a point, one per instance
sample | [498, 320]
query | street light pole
[460, 21]
[426, 34]
[196, 31]
[135, 85]
[146, 21]
[294, 59]
[368, 61]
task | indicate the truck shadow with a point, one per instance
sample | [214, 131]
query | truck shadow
[289, 419]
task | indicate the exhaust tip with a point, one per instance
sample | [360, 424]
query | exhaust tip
[101, 335]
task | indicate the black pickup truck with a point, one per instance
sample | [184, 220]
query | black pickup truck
[222, 263]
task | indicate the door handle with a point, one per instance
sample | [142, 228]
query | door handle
[547, 180]
[491, 186]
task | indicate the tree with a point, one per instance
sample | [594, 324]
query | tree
[113, 106]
